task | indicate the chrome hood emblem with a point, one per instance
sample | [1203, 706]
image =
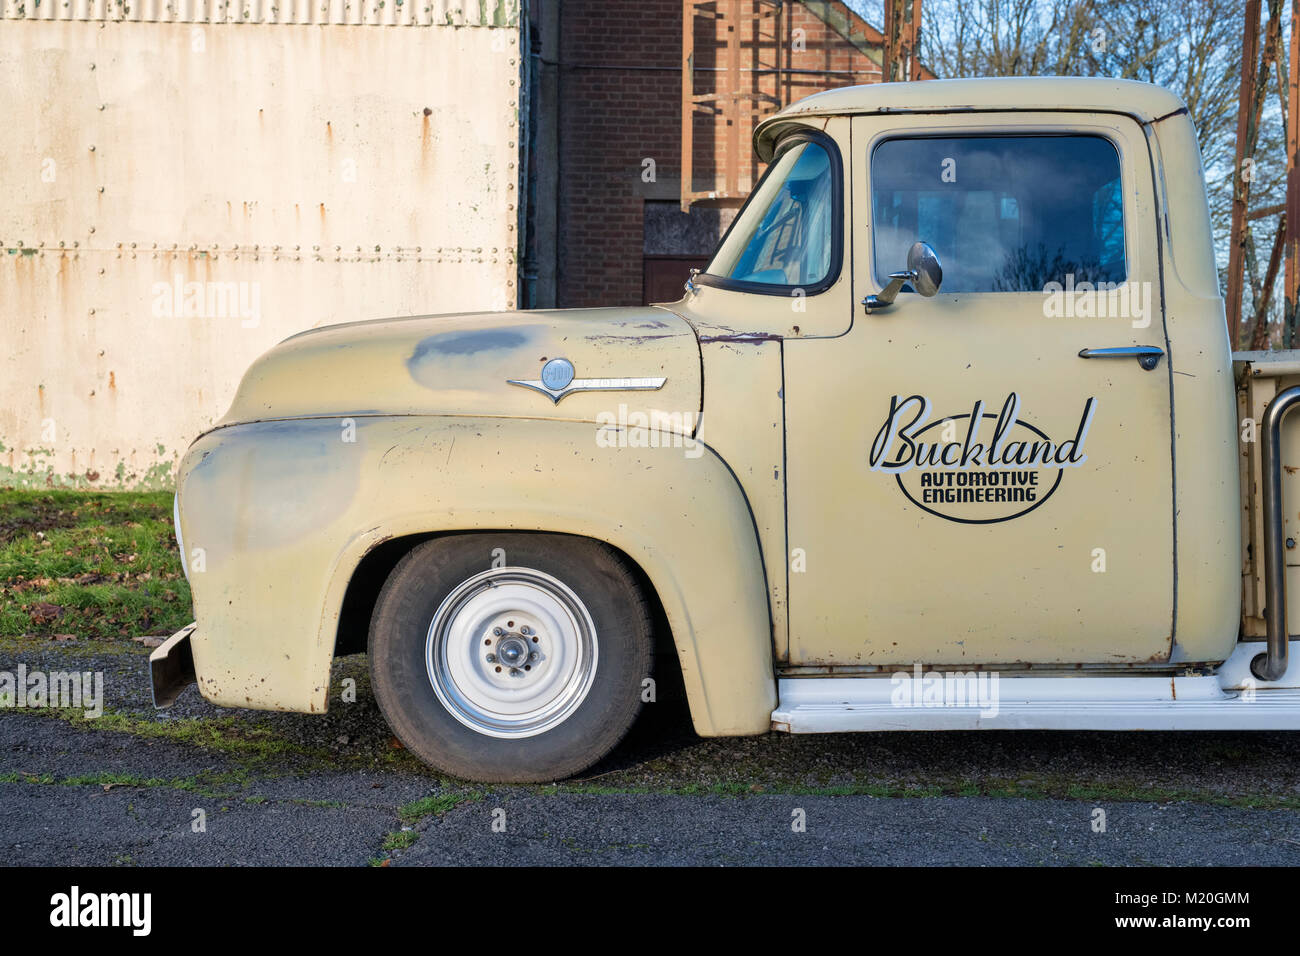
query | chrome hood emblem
[557, 381]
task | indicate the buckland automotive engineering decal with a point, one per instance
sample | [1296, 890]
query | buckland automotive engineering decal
[965, 469]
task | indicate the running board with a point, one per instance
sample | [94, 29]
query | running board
[980, 700]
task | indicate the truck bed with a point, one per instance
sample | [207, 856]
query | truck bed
[1259, 377]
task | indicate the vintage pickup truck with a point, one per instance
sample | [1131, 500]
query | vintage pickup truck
[947, 435]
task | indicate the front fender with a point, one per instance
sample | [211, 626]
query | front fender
[282, 513]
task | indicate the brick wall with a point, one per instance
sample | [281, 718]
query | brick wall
[620, 105]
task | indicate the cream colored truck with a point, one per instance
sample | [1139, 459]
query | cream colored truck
[948, 435]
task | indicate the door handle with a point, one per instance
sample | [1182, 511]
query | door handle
[1148, 356]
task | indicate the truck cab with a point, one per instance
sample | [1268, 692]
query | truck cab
[947, 435]
[995, 471]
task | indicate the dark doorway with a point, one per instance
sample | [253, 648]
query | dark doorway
[662, 277]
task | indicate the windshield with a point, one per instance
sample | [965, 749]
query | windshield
[785, 234]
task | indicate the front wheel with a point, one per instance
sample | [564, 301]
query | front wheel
[527, 671]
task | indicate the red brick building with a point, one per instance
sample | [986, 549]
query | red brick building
[604, 220]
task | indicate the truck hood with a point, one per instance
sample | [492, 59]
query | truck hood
[464, 365]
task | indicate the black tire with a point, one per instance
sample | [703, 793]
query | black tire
[399, 632]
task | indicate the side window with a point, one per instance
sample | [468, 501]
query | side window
[1004, 213]
[785, 236]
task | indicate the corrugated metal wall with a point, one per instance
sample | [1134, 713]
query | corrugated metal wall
[497, 13]
[178, 197]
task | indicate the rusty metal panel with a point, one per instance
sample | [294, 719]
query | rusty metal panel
[180, 198]
[456, 13]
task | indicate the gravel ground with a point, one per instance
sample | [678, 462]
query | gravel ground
[338, 790]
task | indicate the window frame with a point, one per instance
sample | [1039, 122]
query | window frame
[1024, 133]
[836, 267]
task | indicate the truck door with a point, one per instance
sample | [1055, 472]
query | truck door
[964, 485]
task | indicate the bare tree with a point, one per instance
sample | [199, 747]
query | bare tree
[1192, 47]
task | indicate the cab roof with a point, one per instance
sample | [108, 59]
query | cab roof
[1143, 101]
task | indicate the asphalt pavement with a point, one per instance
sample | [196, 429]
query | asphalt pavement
[202, 785]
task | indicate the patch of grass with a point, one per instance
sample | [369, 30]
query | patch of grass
[436, 805]
[400, 840]
[101, 566]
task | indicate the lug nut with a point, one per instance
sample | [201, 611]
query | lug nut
[497, 631]
[491, 658]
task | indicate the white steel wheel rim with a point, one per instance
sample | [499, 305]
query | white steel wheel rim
[511, 652]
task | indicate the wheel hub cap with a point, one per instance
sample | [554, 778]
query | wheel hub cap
[511, 652]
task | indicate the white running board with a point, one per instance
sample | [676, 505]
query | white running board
[982, 701]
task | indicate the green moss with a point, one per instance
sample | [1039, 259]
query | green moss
[207, 783]
[231, 735]
[1042, 788]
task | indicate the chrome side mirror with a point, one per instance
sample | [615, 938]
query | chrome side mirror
[924, 273]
